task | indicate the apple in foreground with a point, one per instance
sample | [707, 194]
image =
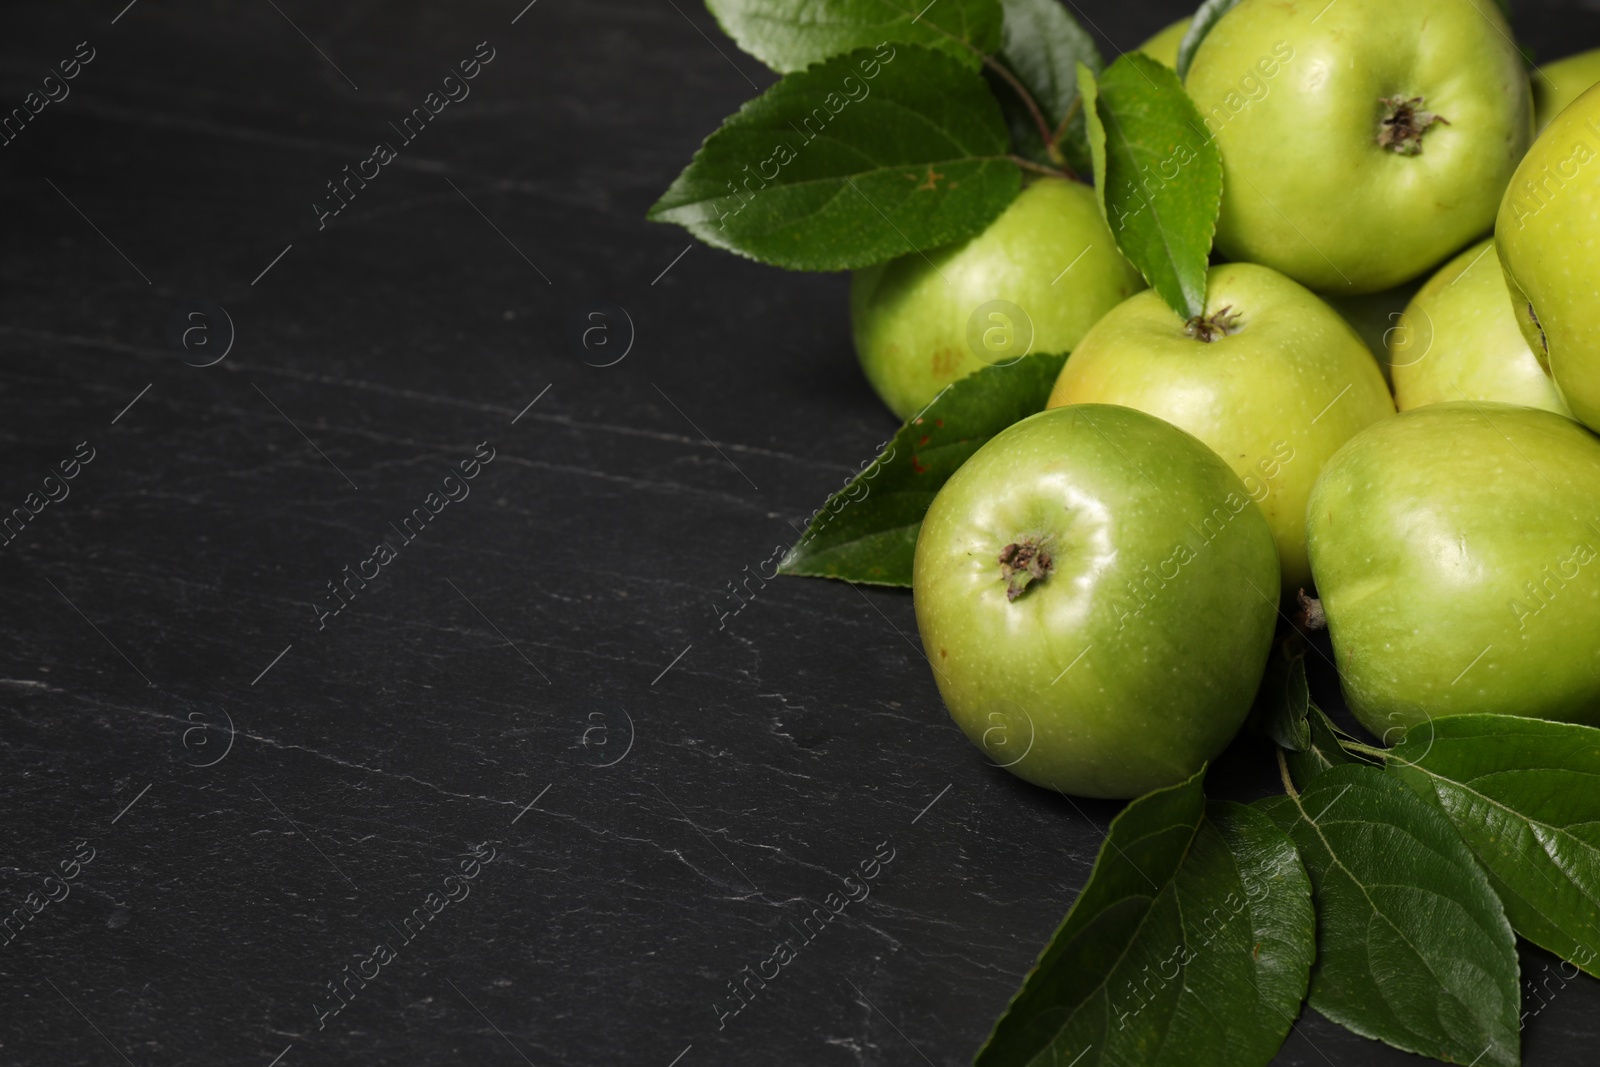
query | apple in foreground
[1362, 141]
[1547, 240]
[1559, 83]
[1272, 379]
[1458, 339]
[1163, 47]
[1034, 281]
[1457, 555]
[1097, 597]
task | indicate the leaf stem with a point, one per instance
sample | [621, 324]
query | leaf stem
[1072, 113]
[1283, 772]
[1032, 105]
[1062, 171]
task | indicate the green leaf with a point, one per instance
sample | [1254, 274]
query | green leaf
[867, 532]
[1204, 19]
[790, 35]
[1323, 751]
[1189, 946]
[1042, 45]
[864, 158]
[1158, 175]
[1525, 794]
[1284, 698]
[1285, 712]
[1413, 946]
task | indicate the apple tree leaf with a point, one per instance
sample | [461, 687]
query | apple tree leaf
[1190, 946]
[1324, 750]
[867, 531]
[868, 156]
[1525, 794]
[1284, 699]
[791, 35]
[1042, 45]
[1285, 713]
[1413, 946]
[1157, 173]
[1208, 15]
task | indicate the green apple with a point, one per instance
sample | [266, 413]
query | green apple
[1557, 84]
[1546, 237]
[1457, 555]
[1273, 379]
[1458, 339]
[1362, 141]
[1097, 599]
[1035, 280]
[1163, 47]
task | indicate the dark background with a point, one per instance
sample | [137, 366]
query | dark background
[460, 687]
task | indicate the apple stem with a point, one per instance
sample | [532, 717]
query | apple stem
[1403, 124]
[1214, 328]
[1312, 617]
[1024, 562]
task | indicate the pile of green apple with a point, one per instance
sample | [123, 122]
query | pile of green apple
[1288, 321]
[1188, 472]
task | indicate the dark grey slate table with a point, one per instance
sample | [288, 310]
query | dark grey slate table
[530, 758]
